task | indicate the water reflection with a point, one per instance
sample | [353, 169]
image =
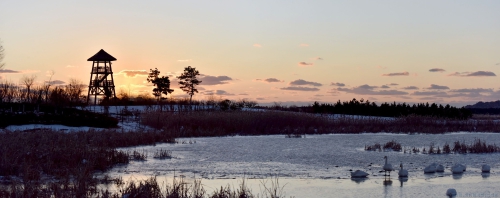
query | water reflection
[388, 182]
[485, 175]
[359, 180]
[402, 180]
[457, 176]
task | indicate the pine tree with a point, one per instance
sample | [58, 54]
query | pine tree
[188, 81]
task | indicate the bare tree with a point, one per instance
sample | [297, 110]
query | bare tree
[2, 55]
[188, 81]
[74, 91]
[46, 86]
[28, 82]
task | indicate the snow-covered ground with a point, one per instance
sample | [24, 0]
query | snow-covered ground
[318, 165]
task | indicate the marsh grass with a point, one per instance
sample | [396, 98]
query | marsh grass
[459, 147]
[268, 122]
[38, 161]
[162, 154]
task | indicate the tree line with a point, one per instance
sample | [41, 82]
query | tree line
[367, 108]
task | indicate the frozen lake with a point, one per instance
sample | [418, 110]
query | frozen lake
[318, 165]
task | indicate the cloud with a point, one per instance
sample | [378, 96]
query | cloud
[257, 45]
[184, 60]
[134, 73]
[397, 74]
[318, 95]
[476, 90]
[223, 93]
[243, 94]
[259, 98]
[317, 58]
[437, 70]
[385, 87]
[8, 71]
[303, 82]
[299, 88]
[304, 64]
[269, 80]
[394, 84]
[473, 74]
[434, 86]
[337, 84]
[482, 73]
[368, 90]
[410, 88]
[214, 80]
[304, 45]
[70, 66]
[380, 67]
[56, 82]
[430, 93]
[365, 86]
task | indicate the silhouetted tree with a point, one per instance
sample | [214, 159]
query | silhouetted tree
[28, 82]
[2, 55]
[162, 84]
[188, 81]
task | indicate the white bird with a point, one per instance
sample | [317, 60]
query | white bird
[402, 172]
[440, 168]
[431, 168]
[359, 174]
[451, 192]
[387, 167]
[485, 168]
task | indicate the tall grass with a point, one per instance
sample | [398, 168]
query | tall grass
[42, 159]
[223, 123]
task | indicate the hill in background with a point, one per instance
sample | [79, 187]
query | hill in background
[484, 105]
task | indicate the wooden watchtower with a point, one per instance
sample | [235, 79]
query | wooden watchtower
[101, 76]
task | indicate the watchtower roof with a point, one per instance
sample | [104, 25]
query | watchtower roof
[102, 56]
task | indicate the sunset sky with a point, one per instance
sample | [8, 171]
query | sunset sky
[293, 52]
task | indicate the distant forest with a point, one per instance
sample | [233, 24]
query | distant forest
[367, 108]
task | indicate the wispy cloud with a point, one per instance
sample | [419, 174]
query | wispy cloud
[304, 82]
[385, 87]
[257, 45]
[473, 74]
[410, 88]
[369, 90]
[184, 60]
[437, 70]
[365, 86]
[397, 74]
[56, 82]
[317, 58]
[223, 93]
[304, 45]
[337, 84]
[394, 84]
[70, 66]
[299, 88]
[482, 73]
[304, 64]
[214, 80]
[434, 86]
[8, 71]
[269, 80]
[134, 73]
[430, 93]
[474, 90]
